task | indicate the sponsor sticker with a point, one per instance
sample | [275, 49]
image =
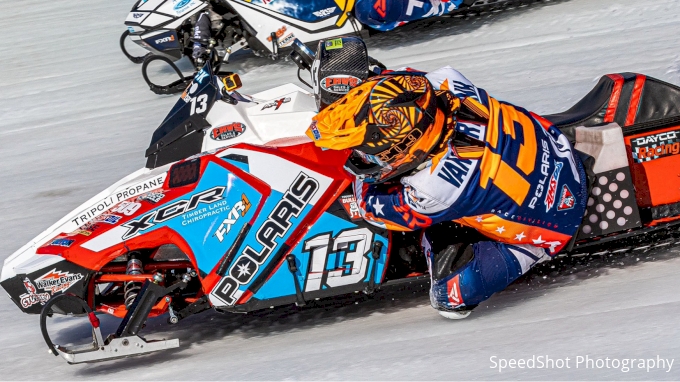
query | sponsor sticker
[108, 219]
[32, 296]
[276, 104]
[279, 33]
[286, 40]
[56, 281]
[655, 146]
[349, 203]
[335, 43]
[324, 12]
[239, 210]
[152, 197]
[315, 131]
[339, 83]
[181, 4]
[567, 199]
[165, 39]
[62, 242]
[108, 202]
[552, 186]
[229, 131]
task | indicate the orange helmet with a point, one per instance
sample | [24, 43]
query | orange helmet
[391, 122]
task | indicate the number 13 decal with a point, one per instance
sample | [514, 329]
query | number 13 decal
[350, 249]
[202, 102]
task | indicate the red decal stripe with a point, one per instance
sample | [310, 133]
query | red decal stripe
[635, 99]
[614, 99]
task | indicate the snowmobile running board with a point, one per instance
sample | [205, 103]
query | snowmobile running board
[125, 342]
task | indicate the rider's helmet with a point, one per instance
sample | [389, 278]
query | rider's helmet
[391, 123]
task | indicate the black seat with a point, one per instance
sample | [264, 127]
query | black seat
[640, 99]
[589, 111]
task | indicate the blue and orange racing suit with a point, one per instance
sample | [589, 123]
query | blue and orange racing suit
[521, 186]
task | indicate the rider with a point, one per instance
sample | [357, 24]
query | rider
[430, 148]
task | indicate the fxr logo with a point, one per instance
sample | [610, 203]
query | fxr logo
[165, 39]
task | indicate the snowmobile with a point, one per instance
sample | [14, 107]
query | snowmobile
[164, 28]
[237, 210]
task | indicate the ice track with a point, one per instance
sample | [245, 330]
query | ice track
[76, 116]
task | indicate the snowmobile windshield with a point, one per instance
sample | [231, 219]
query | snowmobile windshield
[180, 134]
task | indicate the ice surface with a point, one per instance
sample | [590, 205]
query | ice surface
[76, 116]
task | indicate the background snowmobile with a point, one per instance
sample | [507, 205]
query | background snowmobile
[164, 28]
[237, 210]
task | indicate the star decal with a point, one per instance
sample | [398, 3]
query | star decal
[520, 236]
[243, 269]
[500, 230]
[479, 219]
[378, 207]
[539, 240]
[553, 245]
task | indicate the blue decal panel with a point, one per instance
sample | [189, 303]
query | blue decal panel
[308, 10]
[334, 253]
[280, 216]
[208, 219]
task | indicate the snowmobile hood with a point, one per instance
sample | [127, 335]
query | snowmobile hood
[136, 184]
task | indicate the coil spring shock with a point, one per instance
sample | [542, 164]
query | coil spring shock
[132, 288]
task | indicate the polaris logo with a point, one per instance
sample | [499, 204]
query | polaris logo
[545, 167]
[172, 211]
[137, 15]
[277, 225]
[165, 39]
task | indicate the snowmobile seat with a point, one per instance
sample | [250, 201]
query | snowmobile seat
[624, 98]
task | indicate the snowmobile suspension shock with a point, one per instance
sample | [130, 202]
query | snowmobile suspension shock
[132, 288]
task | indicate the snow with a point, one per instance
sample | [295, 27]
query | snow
[77, 116]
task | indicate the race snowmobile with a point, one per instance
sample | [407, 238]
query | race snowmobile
[237, 210]
[165, 28]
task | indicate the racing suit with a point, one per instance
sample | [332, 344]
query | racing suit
[521, 185]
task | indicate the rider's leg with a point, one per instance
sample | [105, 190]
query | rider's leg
[464, 275]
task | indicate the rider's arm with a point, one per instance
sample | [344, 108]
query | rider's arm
[425, 198]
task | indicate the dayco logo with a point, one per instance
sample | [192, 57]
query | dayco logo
[165, 39]
[656, 138]
[294, 200]
[240, 209]
[229, 131]
[172, 211]
[655, 146]
[339, 84]
[56, 281]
